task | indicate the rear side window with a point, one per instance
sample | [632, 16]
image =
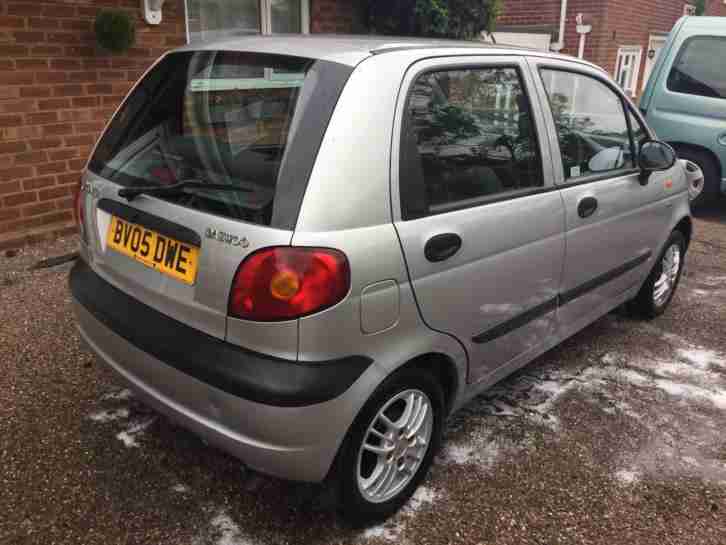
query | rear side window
[468, 137]
[224, 118]
[700, 68]
[591, 126]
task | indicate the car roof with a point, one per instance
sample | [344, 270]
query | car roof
[352, 49]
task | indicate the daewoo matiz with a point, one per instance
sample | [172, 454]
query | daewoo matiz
[311, 250]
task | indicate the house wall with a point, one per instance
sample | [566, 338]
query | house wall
[614, 23]
[716, 8]
[58, 90]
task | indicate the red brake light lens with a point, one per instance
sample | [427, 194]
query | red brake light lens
[284, 283]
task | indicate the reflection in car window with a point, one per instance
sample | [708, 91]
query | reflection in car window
[468, 135]
[700, 68]
[640, 135]
[209, 116]
[590, 121]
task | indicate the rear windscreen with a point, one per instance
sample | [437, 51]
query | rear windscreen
[224, 118]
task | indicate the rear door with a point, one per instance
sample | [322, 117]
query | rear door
[207, 117]
[614, 223]
[480, 221]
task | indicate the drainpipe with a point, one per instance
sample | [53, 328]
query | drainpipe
[583, 30]
[559, 45]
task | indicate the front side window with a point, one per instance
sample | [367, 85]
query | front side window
[700, 68]
[590, 121]
[468, 136]
[218, 117]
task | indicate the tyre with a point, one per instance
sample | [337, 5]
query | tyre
[711, 178]
[390, 447]
[658, 289]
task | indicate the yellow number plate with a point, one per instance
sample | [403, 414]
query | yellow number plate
[166, 255]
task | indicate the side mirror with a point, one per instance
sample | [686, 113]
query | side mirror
[654, 156]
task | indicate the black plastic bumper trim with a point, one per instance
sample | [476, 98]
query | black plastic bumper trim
[238, 371]
[604, 278]
[155, 223]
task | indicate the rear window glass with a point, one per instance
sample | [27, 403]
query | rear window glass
[217, 117]
[700, 68]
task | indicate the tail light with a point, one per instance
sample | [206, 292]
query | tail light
[80, 210]
[283, 283]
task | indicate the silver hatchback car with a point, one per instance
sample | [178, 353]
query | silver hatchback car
[311, 250]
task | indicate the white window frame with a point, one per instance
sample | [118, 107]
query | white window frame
[266, 16]
[265, 23]
[629, 57]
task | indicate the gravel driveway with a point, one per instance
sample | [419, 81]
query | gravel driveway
[615, 437]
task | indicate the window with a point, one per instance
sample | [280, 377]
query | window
[700, 68]
[211, 19]
[688, 9]
[212, 117]
[591, 125]
[627, 68]
[468, 136]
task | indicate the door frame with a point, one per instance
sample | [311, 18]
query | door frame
[463, 62]
[537, 64]
[650, 63]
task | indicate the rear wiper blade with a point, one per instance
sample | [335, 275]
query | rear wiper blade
[130, 193]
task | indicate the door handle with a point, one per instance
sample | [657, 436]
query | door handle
[442, 247]
[586, 207]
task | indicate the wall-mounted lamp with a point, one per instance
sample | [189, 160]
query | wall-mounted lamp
[152, 11]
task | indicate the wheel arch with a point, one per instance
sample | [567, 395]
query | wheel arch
[685, 226]
[700, 149]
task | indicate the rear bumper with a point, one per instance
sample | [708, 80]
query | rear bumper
[294, 433]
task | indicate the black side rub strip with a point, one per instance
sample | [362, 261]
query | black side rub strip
[155, 223]
[582, 289]
[515, 323]
[562, 299]
[250, 375]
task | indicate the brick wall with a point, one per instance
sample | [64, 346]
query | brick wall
[715, 8]
[614, 23]
[333, 16]
[57, 90]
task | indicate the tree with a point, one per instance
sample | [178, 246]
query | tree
[461, 19]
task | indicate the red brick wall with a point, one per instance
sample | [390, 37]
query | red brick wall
[716, 8]
[633, 23]
[57, 90]
[332, 16]
[614, 23]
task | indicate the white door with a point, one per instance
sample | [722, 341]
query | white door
[655, 44]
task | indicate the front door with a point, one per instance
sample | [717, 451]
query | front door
[480, 221]
[655, 45]
[613, 223]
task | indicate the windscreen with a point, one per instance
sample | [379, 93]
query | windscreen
[218, 117]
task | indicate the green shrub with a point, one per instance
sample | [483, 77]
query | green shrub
[115, 30]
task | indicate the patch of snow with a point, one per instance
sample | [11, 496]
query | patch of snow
[227, 530]
[109, 416]
[700, 293]
[684, 390]
[121, 395]
[626, 476]
[609, 359]
[135, 429]
[391, 530]
[181, 488]
[701, 357]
